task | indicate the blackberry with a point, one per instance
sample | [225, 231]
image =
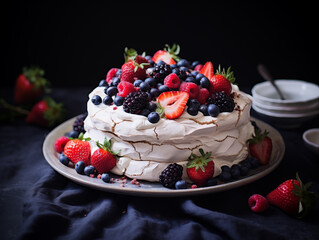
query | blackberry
[160, 71]
[170, 175]
[224, 102]
[135, 102]
[78, 124]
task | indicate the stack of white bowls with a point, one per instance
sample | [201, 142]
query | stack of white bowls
[301, 102]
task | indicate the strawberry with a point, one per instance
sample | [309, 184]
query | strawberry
[221, 81]
[168, 55]
[103, 159]
[78, 150]
[110, 74]
[46, 113]
[260, 146]
[190, 88]
[131, 54]
[293, 198]
[125, 88]
[203, 95]
[173, 103]
[172, 81]
[30, 85]
[200, 168]
[208, 70]
[132, 71]
[60, 143]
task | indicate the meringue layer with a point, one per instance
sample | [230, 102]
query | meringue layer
[146, 149]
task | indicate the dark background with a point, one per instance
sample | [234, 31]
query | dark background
[76, 43]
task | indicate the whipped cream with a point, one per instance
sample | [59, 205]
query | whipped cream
[146, 149]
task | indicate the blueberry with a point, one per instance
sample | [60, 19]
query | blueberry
[181, 184]
[144, 86]
[235, 173]
[145, 112]
[204, 82]
[103, 83]
[244, 170]
[151, 81]
[225, 168]
[199, 76]
[88, 170]
[79, 167]
[211, 182]
[118, 100]
[235, 166]
[192, 111]
[118, 73]
[155, 92]
[115, 81]
[137, 82]
[254, 162]
[153, 117]
[105, 177]
[225, 176]
[195, 63]
[107, 100]
[152, 106]
[112, 91]
[203, 109]
[96, 100]
[191, 79]
[193, 103]
[73, 134]
[194, 73]
[213, 110]
[173, 66]
[160, 62]
[64, 159]
[163, 88]
[176, 71]
[246, 163]
[183, 69]
[184, 63]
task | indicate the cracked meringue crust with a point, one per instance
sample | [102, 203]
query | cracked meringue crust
[146, 149]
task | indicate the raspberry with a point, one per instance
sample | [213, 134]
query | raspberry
[191, 88]
[60, 143]
[125, 88]
[110, 74]
[258, 203]
[203, 95]
[172, 81]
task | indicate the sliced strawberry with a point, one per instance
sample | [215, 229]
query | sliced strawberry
[168, 55]
[173, 103]
[260, 146]
[208, 70]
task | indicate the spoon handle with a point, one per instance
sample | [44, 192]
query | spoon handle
[263, 71]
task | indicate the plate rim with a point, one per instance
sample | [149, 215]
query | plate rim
[159, 191]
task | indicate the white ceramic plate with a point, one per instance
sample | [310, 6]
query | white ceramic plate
[281, 114]
[309, 106]
[156, 189]
[295, 92]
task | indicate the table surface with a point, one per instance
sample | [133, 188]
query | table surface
[38, 203]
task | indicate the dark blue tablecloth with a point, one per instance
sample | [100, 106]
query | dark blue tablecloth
[38, 203]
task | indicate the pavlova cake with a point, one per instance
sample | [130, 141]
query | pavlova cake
[166, 119]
